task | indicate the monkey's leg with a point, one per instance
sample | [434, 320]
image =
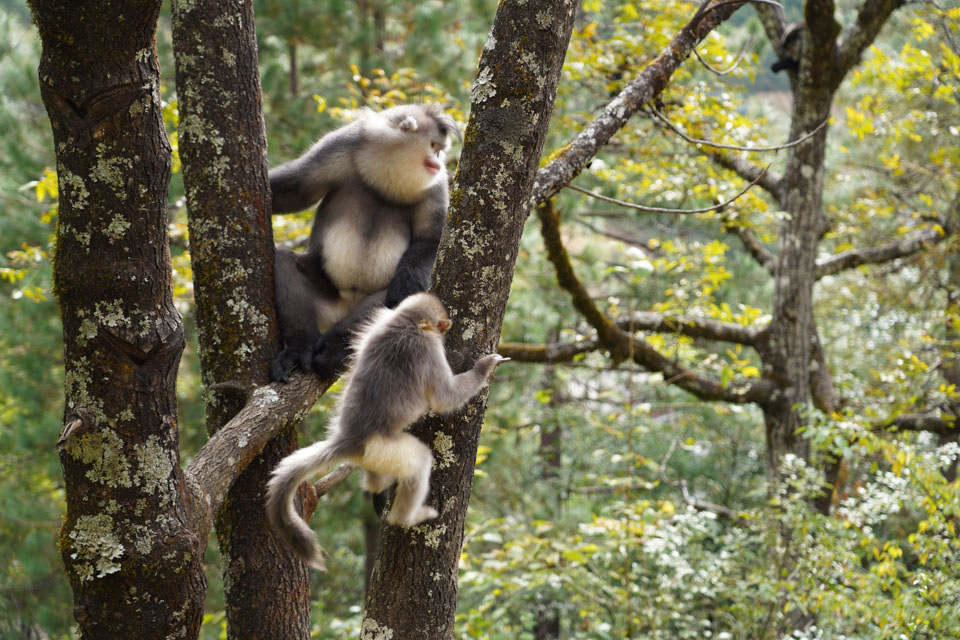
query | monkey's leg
[376, 482]
[410, 461]
[331, 350]
[303, 290]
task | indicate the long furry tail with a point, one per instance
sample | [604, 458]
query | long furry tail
[285, 521]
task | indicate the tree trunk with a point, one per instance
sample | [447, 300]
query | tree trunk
[414, 584]
[223, 147]
[126, 541]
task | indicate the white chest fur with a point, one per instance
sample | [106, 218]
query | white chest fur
[359, 263]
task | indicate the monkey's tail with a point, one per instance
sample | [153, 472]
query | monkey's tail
[285, 521]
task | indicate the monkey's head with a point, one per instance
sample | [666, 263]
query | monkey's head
[405, 148]
[425, 311]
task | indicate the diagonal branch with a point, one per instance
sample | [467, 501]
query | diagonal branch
[717, 145]
[642, 207]
[706, 328]
[568, 163]
[907, 246]
[871, 18]
[921, 422]
[227, 453]
[756, 248]
[770, 182]
[624, 346]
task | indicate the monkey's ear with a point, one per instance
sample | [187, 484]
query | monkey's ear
[443, 325]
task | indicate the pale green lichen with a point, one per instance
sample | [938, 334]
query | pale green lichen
[117, 228]
[103, 451]
[77, 391]
[154, 465]
[483, 87]
[432, 535]
[96, 547]
[264, 397]
[443, 446]
[72, 184]
[110, 314]
[249, 316]
[370, 629]
[143, 539]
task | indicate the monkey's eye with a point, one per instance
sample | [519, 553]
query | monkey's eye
[436, 146]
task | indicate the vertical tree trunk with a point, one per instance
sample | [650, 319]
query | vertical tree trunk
[126, 540]
[414, 583]
[792, 329]
[223, 147]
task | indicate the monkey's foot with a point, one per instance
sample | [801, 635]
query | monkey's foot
[422, 514]
[286, 361]
[329, 358]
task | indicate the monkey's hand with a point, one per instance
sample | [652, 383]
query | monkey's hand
[488, 364]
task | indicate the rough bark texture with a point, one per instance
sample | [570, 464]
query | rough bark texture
[414, 584]
[223, 148]
[127, 541]
[787, 355]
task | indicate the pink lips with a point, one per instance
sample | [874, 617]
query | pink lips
[431, 166]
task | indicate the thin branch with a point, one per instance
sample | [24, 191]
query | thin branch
[649, 83]
[770, 182]
[621, 344]
[547, 353]
[756, 248]
[332, 479]
[909, 245]
[719, 510]
[736, 63]
[921, 422]
[228, 451]
[640, 207]
[718, 145]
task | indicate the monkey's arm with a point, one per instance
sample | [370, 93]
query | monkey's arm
[448, 392]
[413, 270]
[300, 183]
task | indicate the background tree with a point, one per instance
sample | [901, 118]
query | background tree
[660, 520]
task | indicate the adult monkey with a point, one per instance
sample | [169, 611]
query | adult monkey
[382, 187]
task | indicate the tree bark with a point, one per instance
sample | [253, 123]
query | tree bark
[414, 583]
[223, 148]
[126, 541]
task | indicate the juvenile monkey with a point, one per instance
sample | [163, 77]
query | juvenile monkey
[382, 188]
[400, 371]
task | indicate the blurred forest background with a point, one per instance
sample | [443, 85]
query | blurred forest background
[608, 502]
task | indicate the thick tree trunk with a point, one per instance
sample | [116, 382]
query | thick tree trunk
[223, 147]
[414, 584]
[127, 541]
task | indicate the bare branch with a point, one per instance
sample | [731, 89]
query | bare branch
[908, 245]
[649, 83]
[770, 182]
[921, 422]
[332, 479]
[621, 344]
[720, 511]
[873, 14]
[707, 328]
[640, 207]
[228, 451]
[547, 353]
[718, 145]
[732, 67]
[753, 245]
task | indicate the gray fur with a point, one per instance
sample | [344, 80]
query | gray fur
[400, 371]
[376, 229]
